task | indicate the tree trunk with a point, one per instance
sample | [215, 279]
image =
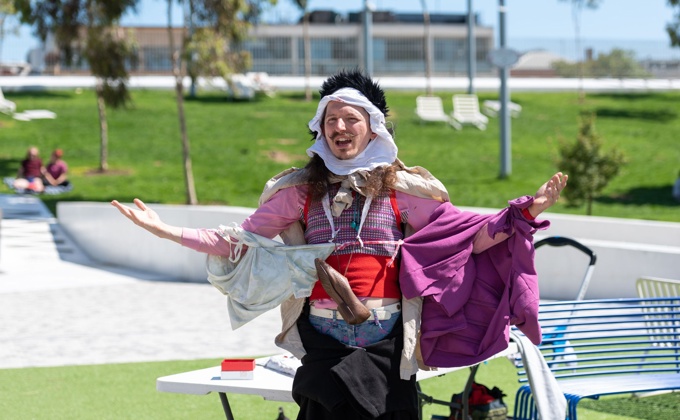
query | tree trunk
[576, 17]
[428, 52]
[186, 155]
[2, 34]
[103, 130]
[308, 57]
[179, 96]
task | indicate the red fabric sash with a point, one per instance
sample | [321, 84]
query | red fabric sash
[368, 275]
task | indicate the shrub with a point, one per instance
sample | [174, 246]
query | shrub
[589, 168]
[617, 63]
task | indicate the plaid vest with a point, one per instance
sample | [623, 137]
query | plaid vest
[368, 263]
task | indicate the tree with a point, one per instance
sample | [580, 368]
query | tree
[210, 28]
[179, 72]
[576, 8]
[88, 29]
[589, 168]
[302, 4]
[218, 26]
[617, 63]
[673, 28]
[6, 10]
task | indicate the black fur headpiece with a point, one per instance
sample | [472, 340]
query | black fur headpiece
[356, 79]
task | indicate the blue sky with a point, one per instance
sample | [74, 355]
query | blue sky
[617, 20]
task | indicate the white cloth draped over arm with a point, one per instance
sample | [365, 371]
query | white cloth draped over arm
[260, 279]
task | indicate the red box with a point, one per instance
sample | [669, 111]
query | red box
[229, 365]
[238, 368]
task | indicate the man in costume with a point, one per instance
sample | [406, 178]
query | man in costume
[399, 266]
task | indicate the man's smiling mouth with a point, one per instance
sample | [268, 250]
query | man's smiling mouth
[343, 139]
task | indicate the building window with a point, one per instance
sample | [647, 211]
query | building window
[156, 59]
[328, 54]
[404, 49]
[268, 48]
[398, 55]
[330, 48]
[269, 55]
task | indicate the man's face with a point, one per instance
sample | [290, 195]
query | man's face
[347, 129]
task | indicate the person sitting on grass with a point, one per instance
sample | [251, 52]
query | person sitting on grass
[29, 176]
[56, 172]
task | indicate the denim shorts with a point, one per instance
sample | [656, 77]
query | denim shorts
[361, 335]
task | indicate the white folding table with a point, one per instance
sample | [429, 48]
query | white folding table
[269, 384]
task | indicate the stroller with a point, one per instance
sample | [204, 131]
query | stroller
[560, 241]
[564, 353]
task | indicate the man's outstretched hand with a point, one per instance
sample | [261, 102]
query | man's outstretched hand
[148, 219]
[548, 193]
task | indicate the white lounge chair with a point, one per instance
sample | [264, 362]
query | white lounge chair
[431, 108]
[466, 111]
[492, 108]
[34, 114]
[240, 87]
[261, 82]
[6, 106]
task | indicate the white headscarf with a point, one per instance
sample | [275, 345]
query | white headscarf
[381, 151]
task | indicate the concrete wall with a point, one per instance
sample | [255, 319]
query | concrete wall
[110, 238]
[626, 249]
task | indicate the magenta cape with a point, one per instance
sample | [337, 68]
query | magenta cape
[470, 300]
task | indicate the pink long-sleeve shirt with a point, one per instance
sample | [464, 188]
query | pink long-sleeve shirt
[285, 207]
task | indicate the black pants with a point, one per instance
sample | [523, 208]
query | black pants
[340, 382]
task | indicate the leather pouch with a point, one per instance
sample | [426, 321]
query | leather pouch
[336, 285]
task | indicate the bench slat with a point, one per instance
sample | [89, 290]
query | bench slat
[625, 384]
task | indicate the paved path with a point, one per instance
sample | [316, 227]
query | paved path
[58, 307]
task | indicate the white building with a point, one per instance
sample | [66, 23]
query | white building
[398, 42]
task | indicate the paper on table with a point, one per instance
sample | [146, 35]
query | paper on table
[283, 364]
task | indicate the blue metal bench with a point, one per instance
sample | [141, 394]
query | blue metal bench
[606, 347]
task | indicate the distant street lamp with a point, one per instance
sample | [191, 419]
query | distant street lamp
[504, 58]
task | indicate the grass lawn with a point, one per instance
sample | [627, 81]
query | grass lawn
[237, 146]
[128, 391]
